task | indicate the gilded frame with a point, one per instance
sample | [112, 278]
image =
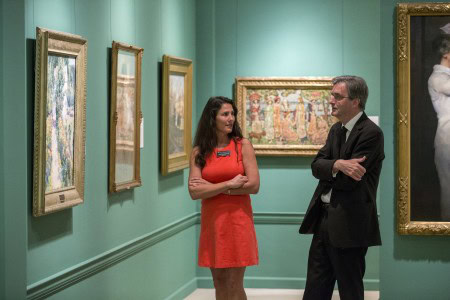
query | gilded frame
[58, 175]
[125, 118]
[279, 115]
[407, 116]
[176, 120]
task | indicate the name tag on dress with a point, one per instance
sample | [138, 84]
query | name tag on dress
[223, 153]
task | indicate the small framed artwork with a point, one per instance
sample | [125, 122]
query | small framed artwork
[285, 116]
[423, 118]
[176, 142]
[59, 121]
[125, 118]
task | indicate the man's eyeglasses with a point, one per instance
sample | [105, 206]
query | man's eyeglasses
[339, 97]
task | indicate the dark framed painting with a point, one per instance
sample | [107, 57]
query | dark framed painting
[285, 116]
[59, 121]
[423, 118]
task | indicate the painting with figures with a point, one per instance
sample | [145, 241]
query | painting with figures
[285, 116]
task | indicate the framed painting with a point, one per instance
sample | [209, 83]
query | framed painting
[59, 121]
[176, 141]
[285, 116]
[423, 119]
[125, 118]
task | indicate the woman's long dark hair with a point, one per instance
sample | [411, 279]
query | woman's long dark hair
[206, 137]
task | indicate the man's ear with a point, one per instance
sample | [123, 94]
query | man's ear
[355, 102]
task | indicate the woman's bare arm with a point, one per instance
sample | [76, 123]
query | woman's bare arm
[251, 170]
[202, 189]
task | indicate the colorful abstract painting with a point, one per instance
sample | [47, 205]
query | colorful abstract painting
[176, 114]
[288, 116]
[60, 122]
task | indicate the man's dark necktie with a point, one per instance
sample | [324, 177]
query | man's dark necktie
[342, 138]
[341, 141]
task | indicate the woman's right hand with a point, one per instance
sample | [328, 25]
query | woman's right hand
[237, 181]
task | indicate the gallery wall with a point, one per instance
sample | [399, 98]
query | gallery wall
[411, 267]
[286, 38]
[2, 128]
[112, 246]
[14, 144]
[144, 241]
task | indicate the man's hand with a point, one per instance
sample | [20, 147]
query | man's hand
[237, 181]
[351, 167]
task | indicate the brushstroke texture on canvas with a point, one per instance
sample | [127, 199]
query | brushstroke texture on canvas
[126, 116]
[176, 114]
[60, 122]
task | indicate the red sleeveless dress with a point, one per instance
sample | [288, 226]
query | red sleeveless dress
[227, 235]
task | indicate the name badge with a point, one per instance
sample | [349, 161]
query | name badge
[223, 153]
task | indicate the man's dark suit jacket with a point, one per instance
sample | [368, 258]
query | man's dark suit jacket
[352, 214]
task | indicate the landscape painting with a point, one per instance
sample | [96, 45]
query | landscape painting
[60, 122]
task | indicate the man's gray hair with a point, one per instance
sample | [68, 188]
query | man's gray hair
[356, 88]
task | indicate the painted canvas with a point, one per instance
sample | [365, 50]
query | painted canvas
[60, 123]
[126, 116]
[284, 116]
[423, 120]
[288, 116]
[176, 114]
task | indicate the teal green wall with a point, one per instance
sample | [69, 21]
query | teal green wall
[15, 150]
[53, 248]
[2, 186]
[286, 38]
[155, 223]
[411, 267]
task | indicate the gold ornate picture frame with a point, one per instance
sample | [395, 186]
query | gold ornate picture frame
[176, 120]
[59, 121]
[285, 116]
[423, 202]
[125, 118]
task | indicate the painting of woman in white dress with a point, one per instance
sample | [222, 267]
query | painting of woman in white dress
[439, 89]
[430, 118]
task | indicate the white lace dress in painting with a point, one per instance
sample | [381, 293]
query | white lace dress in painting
[439, 89]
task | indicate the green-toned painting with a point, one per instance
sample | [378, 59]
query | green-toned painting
[60, 123]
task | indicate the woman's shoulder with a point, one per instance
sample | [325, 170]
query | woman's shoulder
[246, 145]
[195, 150]
[244, 141]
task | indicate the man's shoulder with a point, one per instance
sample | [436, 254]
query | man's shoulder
[368, 127]
[369, 124]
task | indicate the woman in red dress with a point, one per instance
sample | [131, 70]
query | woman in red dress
[223, 172]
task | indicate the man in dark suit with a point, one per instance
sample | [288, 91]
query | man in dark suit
[342, 214]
